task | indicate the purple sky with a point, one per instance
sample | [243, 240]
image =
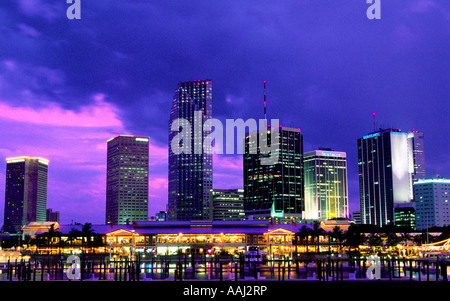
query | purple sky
[67, 86]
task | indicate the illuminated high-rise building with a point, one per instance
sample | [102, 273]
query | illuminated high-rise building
[326, 190]
[127, 179]
[432, 203]
[227, 205]
[190, 162]
[417, 155]
[274, 191]
[25, 193]
[384, 175]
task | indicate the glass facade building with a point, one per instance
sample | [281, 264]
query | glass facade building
[326, 189]
[127, 179]
[384, 175]
[432, 203]
[274, 190]
[190, 170]
[227, 205]
[417, 155]
[25, 192]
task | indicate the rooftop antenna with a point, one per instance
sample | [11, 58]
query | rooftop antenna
[374, 127]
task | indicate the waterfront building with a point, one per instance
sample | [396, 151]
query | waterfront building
[326, 188]
[127, 179]
[384, 175]
[52, 216]
[25, 192]
[227, 205]
[416, 141]
[190, 170]
[432, 203]
[405, 216]
[274, 191]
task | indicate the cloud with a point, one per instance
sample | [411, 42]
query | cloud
[75, 144]
[48, 10]
[98, 114]
[227, 171]
[422, 6]
[29, 31]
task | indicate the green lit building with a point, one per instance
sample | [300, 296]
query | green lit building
[326, 188]
[127, 179]
[25, 192]
[405, 216]
[274, 190]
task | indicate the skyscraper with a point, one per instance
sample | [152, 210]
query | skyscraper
[384, 175]
[417, 157]
[26, 192]
[326, 190]
[274, 190]
[127, 179]
[190, 162]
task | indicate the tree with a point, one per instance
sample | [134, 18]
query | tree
[86, 233]
[405, 237]
[302, 235]
[353, 238]
[73, 235]
[338, 235]
[392, 240]
[316, 232]
[375, 241]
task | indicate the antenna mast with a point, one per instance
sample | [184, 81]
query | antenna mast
[374, 127]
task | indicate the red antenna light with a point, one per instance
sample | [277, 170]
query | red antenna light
[374, 121]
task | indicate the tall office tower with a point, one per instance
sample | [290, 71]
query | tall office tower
[274, 190]
[384, 175]
[127, 171]
[25, 193]
[227, 205]
[432, 203]
[417, 155]
[326, 190]
[190, 163]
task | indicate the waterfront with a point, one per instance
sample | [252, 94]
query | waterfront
[226, 268]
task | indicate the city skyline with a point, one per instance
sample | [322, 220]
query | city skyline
[67, 86]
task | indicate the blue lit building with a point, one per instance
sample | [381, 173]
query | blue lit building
[190, 170]
[432, 203]
[384, 175]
